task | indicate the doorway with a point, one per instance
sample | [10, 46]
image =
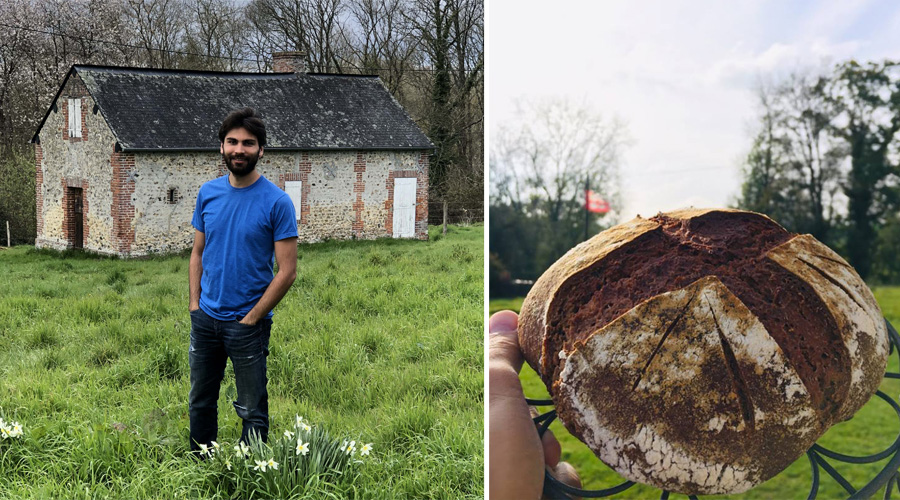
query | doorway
[404, 224]
[76, 217]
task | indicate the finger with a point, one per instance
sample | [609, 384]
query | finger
[552, 449]
[565, 473]
[504, 341]
[551, 446]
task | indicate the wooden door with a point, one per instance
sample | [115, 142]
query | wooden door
[78, 218]
[404, 223]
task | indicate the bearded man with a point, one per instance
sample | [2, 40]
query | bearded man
[242, 221]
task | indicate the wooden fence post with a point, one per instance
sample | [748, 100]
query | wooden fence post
[7, 234]
[445, 216]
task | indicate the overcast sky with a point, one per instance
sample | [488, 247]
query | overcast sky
[680, 74]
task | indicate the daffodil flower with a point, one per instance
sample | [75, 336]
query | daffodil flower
[298, 421]
[306, 427]
[289, 434]
[344, 446]
[302, 448]
[215, 447]
[366, 448]
[16, 429]
[4, 433]
[272, 463]
[204, 450]
[260, 465]
[242, 450]
[228, 463]
[351, 448]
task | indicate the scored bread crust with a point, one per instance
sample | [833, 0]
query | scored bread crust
[711, 374]
[533, 315]
[609, 387]
[854, 309]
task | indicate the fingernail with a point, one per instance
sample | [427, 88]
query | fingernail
[503, 321]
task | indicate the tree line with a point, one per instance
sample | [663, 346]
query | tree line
[824, 161]
[428, 53]
[540, 164]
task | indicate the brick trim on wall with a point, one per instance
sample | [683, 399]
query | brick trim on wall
[422, 197]
[39, 188]
[84, 114]
[359, 187]
[122, 205]
[304, 170]
[69, 208]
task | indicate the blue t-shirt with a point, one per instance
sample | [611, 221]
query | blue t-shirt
[241, 227]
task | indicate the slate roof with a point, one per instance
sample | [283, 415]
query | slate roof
[159, 110]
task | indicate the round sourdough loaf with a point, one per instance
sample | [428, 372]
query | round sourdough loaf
[703, 351]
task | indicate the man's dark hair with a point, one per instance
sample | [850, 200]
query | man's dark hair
[244, 118]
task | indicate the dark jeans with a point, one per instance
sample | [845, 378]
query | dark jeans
[212, 342]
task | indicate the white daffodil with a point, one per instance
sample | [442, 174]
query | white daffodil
[215, 447]
[4, 433]
[289, 435]
[306, 427]
[16, 429]
[204, 450]
[228, 464]
[272, 463]
[351, 448]
[344, 446]
[366, 448]
[242, 450]
[260, 465]
[298, 421]
[302, 448]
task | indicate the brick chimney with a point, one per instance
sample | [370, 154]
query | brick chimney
[289, 62]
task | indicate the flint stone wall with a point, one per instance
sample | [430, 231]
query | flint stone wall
[328, 193]
[78, 162]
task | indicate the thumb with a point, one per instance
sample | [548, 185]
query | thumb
[504, 340]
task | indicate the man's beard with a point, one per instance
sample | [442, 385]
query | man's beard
[246, 168]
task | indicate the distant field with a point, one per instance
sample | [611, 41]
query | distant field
[377, 341]
[871, 430]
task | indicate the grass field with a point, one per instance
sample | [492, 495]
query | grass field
[377, 341]
[871, 430]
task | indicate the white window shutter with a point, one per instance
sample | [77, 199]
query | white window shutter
[294, 189]
[71, 117]
[77, 117]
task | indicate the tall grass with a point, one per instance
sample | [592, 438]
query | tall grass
[377, 341]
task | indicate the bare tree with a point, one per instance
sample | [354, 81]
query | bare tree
[159, 27]
[539, 168]
[214, 34]
[813, 154]
[381, 41]
[311, 26]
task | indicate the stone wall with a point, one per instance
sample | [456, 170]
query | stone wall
[75, 162]
[333, 185]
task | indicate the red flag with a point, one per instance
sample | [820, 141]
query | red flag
[594, 203]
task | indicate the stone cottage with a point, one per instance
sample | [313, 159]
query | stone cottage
[122, 152]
